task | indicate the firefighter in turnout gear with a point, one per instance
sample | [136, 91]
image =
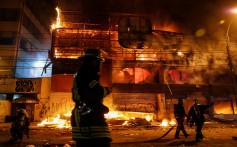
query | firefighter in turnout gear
[20, 126]
[179, 114]
[89, 127]
[196, 115]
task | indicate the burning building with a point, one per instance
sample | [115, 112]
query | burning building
[148, 69]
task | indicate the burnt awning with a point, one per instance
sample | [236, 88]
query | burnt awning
[27, 99]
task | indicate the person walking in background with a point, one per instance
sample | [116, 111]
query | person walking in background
[179, 114]
[196, 115]
[20, 126]
[89, 127]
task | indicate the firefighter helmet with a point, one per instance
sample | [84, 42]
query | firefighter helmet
[22, 111]
[180, 100]
[196, 101]
[92, 54]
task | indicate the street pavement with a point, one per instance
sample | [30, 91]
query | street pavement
[217, 134]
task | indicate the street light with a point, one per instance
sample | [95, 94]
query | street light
[232, 73]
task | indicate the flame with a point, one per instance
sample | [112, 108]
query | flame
[67, 114]
[148, 118]
[63, 121]
[165, 123]
[59, 123]
[180, 54]
[114, 114]
[128, 115]
[125, 123]
[223, 107]
[173, 122]
[58, 21]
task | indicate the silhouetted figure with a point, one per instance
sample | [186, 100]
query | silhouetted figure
[20, 126]
[196, 115]
[179, 114]
[89, 127]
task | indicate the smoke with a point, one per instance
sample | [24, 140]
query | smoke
[200, 17]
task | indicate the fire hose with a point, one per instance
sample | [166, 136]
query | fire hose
[155, 140]
[166, 133]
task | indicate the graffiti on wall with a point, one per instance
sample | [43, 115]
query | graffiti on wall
[58, 103]
[43, 108]
[23, 85]
[26, 85]
[135, 102]
[61, 103]
[63, 106]
[138, 107]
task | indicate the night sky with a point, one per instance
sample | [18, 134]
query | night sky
[170, 15]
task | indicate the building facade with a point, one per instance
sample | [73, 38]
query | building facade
[25, 38]
[148, 68]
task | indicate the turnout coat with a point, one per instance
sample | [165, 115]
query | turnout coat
[87, 118]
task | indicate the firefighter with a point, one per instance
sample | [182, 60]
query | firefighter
[179, 114]
[196, 115]
[20, 126]
[89, 127]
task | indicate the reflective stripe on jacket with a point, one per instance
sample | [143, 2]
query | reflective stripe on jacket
[92, 125]
[75, 95]
[80, 131]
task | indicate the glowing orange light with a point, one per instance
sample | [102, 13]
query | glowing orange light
[165, 123]
[172, 122]
[56, 121]
[222, 21]
[148, 118]
[57, 25]
[234, 10]
[114, 114]
[180, 54]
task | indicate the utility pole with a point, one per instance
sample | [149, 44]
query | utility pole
[232, 73]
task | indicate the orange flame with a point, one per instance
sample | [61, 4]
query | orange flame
[57, 122]
[165, 123]
[58, 21]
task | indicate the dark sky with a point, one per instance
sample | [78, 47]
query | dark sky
[170, 15]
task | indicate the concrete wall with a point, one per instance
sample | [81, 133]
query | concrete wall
[44, 97]
[5, 109]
